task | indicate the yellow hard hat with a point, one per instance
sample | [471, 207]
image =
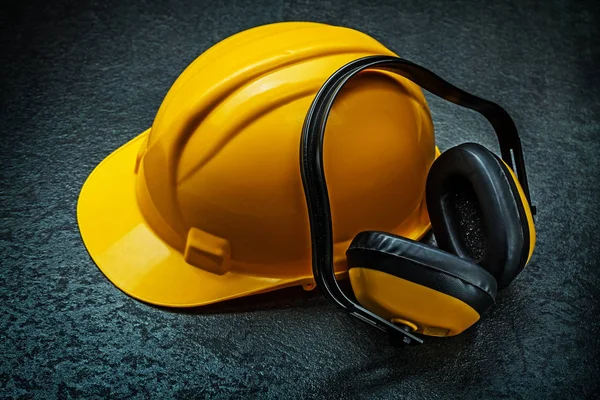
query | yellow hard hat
[208, 203]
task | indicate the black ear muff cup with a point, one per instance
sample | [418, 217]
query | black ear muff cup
[427, 266]
[476, 211]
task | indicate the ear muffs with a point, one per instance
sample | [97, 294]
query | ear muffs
[515, 245]
[477, 212]
[433, 292]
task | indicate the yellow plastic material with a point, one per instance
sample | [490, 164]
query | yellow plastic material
[208, 204]
[432, 313]
[528, 214]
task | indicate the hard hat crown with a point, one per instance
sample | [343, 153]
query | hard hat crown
[218, 177]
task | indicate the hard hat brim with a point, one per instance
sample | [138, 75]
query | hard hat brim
[135, 259]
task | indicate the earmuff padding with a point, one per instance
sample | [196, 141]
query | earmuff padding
[503, 223]
[424, 265]
[464, 204]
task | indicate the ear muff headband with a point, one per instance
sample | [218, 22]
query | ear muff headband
[313, 174]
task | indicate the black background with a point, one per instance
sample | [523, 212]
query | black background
[80, 78]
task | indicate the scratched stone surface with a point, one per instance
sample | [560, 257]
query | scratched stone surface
[80, 78]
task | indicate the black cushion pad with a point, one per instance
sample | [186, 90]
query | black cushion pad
[502, 210]
[424, 265]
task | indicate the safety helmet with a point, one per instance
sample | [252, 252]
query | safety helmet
[208, 203]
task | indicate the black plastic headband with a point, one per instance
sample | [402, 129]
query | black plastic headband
[313, 175]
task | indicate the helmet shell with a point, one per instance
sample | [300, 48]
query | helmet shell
[218, 177]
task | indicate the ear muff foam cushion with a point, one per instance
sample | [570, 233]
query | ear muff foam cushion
[503, 219]
[424, 265]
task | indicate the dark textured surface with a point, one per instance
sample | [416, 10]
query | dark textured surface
[80, 78]
[467, 210]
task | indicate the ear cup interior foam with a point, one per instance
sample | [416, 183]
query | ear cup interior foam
[467, 211]
[502, 221]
